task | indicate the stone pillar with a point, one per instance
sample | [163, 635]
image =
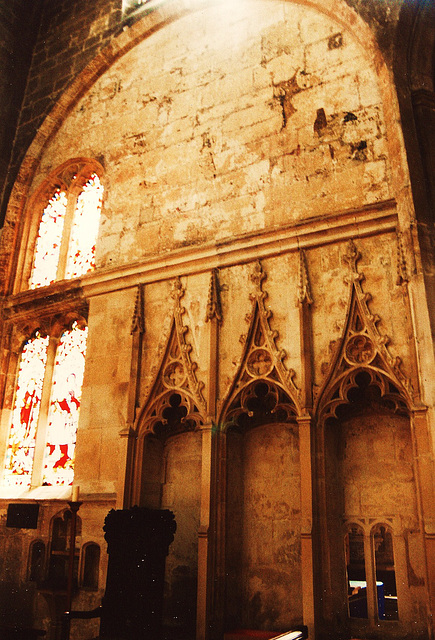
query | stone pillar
[426, 493]
[205, 538]
[306, 523]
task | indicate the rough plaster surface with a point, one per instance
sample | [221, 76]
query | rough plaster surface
[222, 128]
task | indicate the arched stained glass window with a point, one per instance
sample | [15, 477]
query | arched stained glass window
[81, 254]
[64, 407]
[21, 444]
[48, 242]
[68, 228]
[42, 435]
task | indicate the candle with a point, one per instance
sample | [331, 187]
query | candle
[75, 493]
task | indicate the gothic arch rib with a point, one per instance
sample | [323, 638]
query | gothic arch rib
[262, 378]
[174, 401]
[362, 349]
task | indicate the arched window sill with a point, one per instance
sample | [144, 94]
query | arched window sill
[38, 493]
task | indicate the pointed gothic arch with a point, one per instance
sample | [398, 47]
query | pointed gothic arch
[175, 400]
[166, 470]
[263, 389]
[364, 449]
[362, 352]
[260, 474]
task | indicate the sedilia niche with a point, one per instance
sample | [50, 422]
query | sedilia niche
[263, 528]
[369, 471]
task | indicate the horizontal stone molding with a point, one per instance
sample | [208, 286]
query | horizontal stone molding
[313, 232]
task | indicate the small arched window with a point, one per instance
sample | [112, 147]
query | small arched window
[385, 573]
[90, 566]
[356, 573]
[42, 434]
[371, 575]
[71, 203]
[58, 564]
[37, 561]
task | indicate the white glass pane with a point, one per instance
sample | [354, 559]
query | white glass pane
[47, 249]
[64, 407]
[84, 232]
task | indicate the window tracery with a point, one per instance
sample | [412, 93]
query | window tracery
[46, 409]
[21, 444]
[71, 201]
[366, 549]
[64, 407]
[48, 242]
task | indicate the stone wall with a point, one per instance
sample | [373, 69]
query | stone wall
[19, 22]
[228, 138]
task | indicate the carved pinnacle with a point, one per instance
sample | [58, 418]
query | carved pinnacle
[402, 273]
[214, 308]
[304, 288]
[258, 276]
[138, 322]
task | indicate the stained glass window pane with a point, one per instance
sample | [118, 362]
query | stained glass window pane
[21, 444]
[48, 242]
[81, 253]
[64, 407]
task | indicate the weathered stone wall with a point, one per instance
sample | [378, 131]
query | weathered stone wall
[232, 132]
[288, 126]
[70, 35]
[18, 30]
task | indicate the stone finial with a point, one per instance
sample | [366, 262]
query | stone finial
[402, 272]
[138, 322]
[258, 276]
[177, 289]
[214, 308]
[352, 256]
[304, 288]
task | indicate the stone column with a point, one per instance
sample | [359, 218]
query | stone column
[426, 494]
[307, 567]
[205, 538]
[207, 526]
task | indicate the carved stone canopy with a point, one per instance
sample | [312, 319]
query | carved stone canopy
[175, 402]
[263, 390]
[362, 370]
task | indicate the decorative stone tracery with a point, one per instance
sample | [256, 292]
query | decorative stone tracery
[175, 401]
[362, 349]
[263, 389]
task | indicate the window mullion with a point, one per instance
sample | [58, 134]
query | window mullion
[41, 433]
[372, 594]
[69, 218]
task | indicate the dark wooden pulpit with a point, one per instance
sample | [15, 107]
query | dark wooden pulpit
[138, 542]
